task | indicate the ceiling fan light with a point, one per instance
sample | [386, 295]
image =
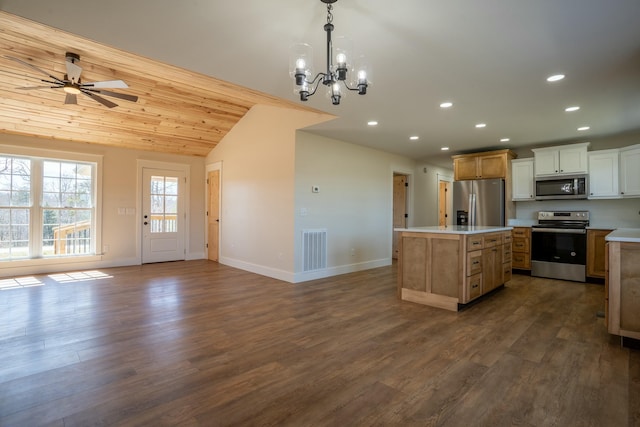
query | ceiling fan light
[73, 90]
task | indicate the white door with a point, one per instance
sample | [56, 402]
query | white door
[163, 215]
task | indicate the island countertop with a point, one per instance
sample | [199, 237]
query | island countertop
[455, 229]
[631, 235]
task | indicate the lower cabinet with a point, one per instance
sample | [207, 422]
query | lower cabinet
[521, 255]
[623, 289]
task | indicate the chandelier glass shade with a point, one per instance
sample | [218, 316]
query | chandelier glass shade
[341, 68]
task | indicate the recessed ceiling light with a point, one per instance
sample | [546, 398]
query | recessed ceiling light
[555, 78]
[584, 128]
[414, 138]
[444, 148]
[481, 125]
[571, 109]
[505, 140]
[446, 104]
[372, 123]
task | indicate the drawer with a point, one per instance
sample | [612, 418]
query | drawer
[474, 242]
[520, 244]
[474, 263]
[490, 240]
[506, 272]
[506, 238]
[520, 260]
[506, 253]
[474, 286]
[521, 232]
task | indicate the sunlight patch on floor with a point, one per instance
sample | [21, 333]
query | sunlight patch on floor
[79, 276]
[19, 282]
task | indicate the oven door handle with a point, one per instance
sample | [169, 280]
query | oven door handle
[559, 230]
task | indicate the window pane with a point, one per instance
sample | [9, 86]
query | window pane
[51, 169]
[157, 185]
[5, 198]
[171, 185]
[66, 232]
[171, 204]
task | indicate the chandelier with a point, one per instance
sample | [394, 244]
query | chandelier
[301, 69]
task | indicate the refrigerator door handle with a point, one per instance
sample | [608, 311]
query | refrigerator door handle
[472, 209]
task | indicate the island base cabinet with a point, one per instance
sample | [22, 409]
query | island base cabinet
[624, 289]
[445, 270]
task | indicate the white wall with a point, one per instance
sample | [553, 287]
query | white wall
[119, 190]
[257, 190]
[354, 203]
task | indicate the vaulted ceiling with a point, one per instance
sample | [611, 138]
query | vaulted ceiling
[490, 58]
[178, 111]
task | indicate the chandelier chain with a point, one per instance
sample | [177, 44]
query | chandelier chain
[329, 14]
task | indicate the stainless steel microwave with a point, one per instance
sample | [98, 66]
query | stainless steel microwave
[561, 187]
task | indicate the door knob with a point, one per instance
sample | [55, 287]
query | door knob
[145, 223]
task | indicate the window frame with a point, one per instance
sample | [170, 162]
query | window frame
[37, 207]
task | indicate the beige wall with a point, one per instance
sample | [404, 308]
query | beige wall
[354, 203]
[257, 191]
[119, 190]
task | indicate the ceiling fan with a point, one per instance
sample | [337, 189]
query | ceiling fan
[72, 85]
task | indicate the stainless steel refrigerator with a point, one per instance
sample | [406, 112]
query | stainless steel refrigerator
[479, 202]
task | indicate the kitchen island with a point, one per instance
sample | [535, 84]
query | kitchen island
[449, 266]
[622, 283]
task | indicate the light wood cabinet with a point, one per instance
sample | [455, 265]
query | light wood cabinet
[567, 159]
[521, 248]
[629, 171]
[623, 289]
[596, 253]
[522, 179]
[444, 270]
[487, 165]
[603, 174]
[492, 164]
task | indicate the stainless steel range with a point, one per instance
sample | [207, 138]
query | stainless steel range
[559, 245]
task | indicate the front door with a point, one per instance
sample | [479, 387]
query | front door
[163, 215]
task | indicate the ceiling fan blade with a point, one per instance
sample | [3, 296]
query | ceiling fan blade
[40, 87]
[73, 71]
[110, 84]
[100, 99]
[33, 67]
[124, 96]
[71, 99]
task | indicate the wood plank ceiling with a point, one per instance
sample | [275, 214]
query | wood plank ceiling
[178, 111]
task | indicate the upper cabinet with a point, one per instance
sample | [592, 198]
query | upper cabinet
[492, 164]
[630, 171]
[603, 174]
[522, 179]
[567, 159]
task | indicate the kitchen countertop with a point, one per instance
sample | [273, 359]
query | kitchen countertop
[624, 235]
[455, 229]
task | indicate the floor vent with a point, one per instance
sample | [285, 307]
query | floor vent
[314, 249]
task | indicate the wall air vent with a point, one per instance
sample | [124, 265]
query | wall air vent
[314, 249]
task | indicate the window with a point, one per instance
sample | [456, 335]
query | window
[47, 207]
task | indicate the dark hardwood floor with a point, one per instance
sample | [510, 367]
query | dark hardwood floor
[201, 344]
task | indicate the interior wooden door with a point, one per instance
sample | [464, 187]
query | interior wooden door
[213, 215]
[399, 208]
[445, 203]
